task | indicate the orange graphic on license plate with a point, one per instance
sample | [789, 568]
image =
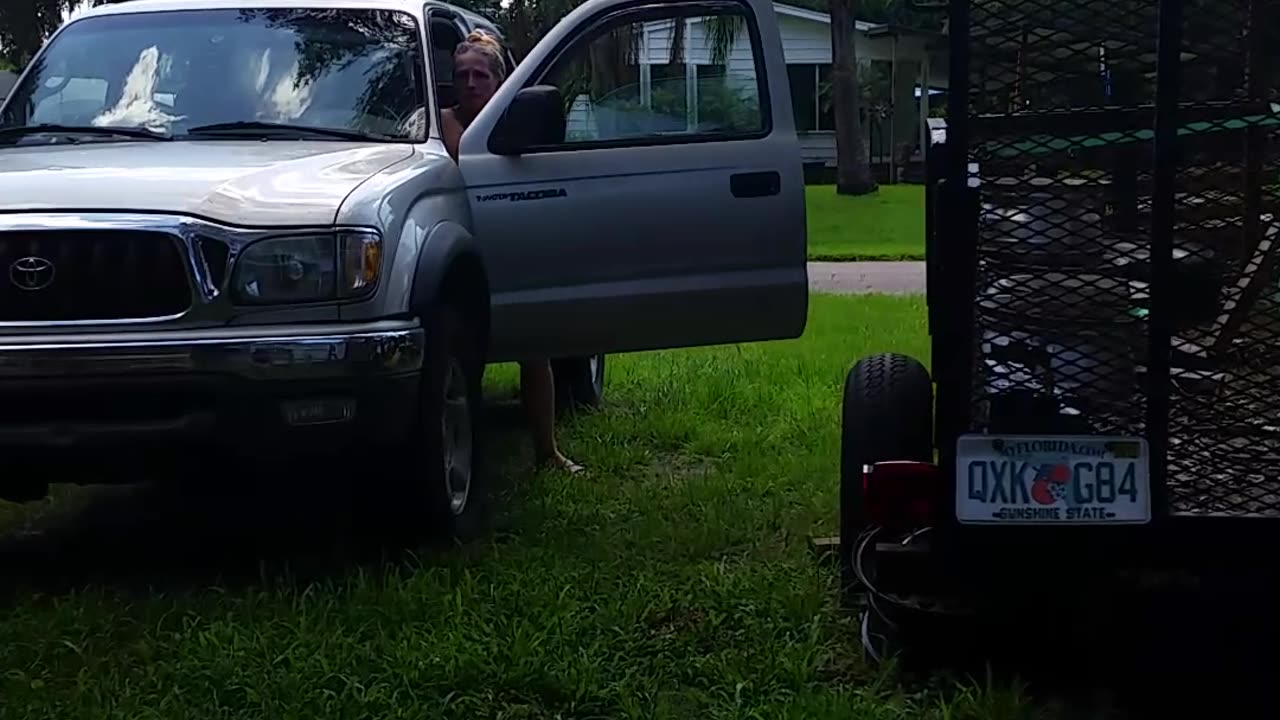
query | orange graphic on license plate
[1050, 484]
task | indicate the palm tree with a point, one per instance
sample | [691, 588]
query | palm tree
[853, 167]
[847, 92]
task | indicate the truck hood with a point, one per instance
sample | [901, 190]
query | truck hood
[244, 182]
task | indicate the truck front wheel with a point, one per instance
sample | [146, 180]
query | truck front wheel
[436, 487]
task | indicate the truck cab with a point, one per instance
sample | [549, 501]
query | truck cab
[229, 229]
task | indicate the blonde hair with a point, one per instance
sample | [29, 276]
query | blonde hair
[479, 41]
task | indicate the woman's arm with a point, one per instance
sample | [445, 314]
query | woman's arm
[450, 132]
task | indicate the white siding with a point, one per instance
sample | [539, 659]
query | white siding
[697, 48]
[809, 41]
[805, 41]
[656, 43]
[818, 147]
[581, 121]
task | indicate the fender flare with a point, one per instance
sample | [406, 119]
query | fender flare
[450, 265]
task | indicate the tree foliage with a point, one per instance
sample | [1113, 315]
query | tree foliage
[24, 25]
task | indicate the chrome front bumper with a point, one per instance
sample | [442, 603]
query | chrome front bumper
[377, 349]
[164, 405]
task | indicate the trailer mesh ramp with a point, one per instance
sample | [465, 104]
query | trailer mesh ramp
[1069, 303]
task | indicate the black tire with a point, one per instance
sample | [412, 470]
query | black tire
[579, 382]
[888, 415]
[422, 501]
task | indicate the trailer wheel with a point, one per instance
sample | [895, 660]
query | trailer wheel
[888, 415]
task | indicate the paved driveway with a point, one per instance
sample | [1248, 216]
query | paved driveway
[866, 277]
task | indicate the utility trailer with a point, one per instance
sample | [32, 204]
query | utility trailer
[1103, 398]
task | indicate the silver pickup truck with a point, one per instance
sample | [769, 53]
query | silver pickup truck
[230, 233]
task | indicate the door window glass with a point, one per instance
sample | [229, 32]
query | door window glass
[663, 74]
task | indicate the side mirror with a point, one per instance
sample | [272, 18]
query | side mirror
[534, 117]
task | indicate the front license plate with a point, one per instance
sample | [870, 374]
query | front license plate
[1052, 480]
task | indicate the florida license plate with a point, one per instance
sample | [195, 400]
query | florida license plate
[1052, 480]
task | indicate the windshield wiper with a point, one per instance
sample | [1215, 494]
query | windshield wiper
[254, 128]
[115, 131]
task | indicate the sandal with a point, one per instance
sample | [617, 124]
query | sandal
[562, 463]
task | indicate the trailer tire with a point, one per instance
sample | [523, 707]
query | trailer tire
[887, 415]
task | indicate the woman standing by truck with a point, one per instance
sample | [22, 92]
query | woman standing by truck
[478, 70]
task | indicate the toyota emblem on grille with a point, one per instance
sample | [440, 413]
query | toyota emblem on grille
[31, 273]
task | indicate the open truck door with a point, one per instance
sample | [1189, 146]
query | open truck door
[636, 183]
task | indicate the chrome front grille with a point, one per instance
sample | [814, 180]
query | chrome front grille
[63, 275]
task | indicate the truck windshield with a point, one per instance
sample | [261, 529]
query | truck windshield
[352, 70]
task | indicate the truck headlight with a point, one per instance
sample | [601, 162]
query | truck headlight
[308, 268]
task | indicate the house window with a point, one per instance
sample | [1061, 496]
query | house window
[804, 91]
[826, 108]
[712, 76]
[669, 88]
[726, 98]
[810, 93]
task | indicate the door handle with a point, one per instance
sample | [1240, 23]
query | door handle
[756, 184]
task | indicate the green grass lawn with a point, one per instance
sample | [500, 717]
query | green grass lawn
[887, 225]
[672, 581]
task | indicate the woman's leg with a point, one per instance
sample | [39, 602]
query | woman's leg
[537, 394]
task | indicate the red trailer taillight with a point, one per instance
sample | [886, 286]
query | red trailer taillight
[901, 495]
